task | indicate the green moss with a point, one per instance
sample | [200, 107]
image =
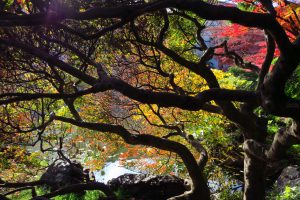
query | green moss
[89, 195]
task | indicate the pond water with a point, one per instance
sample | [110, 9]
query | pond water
[110, 171]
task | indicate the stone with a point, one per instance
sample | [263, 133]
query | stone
[62, 173]
[290, 176]
[148, 187]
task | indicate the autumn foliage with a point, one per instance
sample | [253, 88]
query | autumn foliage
[203, 90]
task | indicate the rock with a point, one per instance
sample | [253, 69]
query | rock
[290, 176]
[144, 187]
[62, 173]
[215, 196]
[130, 186]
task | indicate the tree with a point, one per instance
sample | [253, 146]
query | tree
[138, 53]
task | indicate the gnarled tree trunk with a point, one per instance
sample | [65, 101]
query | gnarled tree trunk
[254, 177]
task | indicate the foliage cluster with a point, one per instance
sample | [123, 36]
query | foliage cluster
[86, 80]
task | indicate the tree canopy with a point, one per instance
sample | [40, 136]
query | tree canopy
[137, 74]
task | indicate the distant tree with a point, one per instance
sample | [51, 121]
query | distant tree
[129, 69]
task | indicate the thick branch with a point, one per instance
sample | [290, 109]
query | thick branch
[199, 182]
[17, 97]
[81, 187]
[51, 60]
[203, 9]
[282, 141]
[165, 99]
[273, 97]
[19, 185]
[33, 192]
[268, 59]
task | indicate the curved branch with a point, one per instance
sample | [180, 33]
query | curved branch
[199, 147]
[19, 185]
[268, 59]
[165, 99]
[282, 141]
[80, 187]
[17, 97]
[51, 60]
[201, 8]
[21, 189]
[273, 96]
[199, 181]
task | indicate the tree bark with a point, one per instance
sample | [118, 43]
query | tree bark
[254, 176]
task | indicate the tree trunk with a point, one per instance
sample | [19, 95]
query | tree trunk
[254, 176]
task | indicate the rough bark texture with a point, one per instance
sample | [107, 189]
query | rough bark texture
[254, 178]
[284, 139]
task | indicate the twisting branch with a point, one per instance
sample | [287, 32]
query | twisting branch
[4, 184]
[33, 192]
[18, 97]
[282, 141]
[165, 27]
[237, 58]
[51, 60]
[80, 187]
[268, 59]
[199, 182]
[203, 9]
[273, 96]
[203, 158]
[180, 132]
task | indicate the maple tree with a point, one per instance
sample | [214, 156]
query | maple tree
[138, 71]
[245, 45]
